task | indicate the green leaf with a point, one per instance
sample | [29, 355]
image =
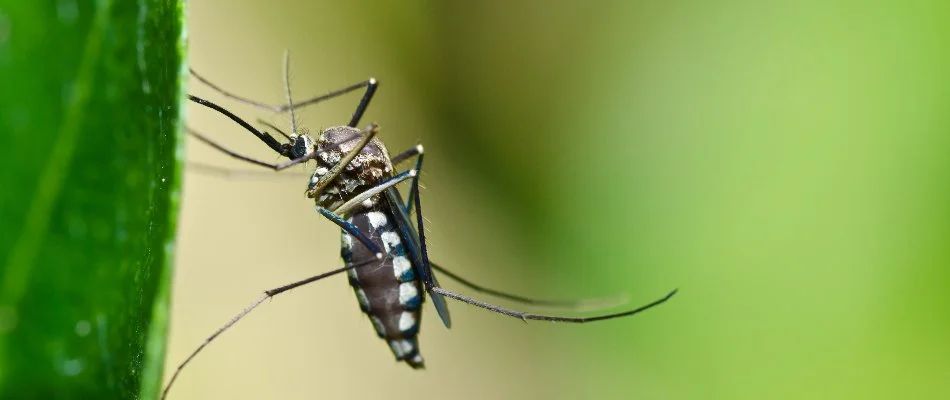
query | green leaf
[90, 115]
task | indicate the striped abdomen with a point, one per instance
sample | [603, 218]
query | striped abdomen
[390, 293]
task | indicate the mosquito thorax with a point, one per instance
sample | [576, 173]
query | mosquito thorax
[369, 168]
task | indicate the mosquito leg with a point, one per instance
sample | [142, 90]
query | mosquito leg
[366, 194]
[263, 136]
[352, 230]
[370, 84]
[399, 158]
[232, 95]
[526, 316]
[428, 279]
[433, 288]
[267, 294]
[584, 304]
[418, 150]
[414, 187]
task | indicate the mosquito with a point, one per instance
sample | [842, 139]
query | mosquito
[354, 186]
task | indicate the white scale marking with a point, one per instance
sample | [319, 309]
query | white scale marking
[377, 219]
[401, 265]
[347, 241]
[407, 293]
[417, 358]
[407, 321]
[378, 324]
[390, 240]
[401, 347]
[361, 296]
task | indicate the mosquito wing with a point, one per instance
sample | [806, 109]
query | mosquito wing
[410, 238]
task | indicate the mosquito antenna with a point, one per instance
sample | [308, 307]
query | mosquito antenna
[293, 118]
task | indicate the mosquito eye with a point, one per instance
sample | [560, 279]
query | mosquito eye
[303, 146]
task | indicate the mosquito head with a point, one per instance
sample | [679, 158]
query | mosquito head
[302, 145]
[370, 167]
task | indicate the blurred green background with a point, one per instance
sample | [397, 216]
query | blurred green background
[784, 165]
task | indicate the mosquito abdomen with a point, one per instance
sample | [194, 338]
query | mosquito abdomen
[390, 294]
